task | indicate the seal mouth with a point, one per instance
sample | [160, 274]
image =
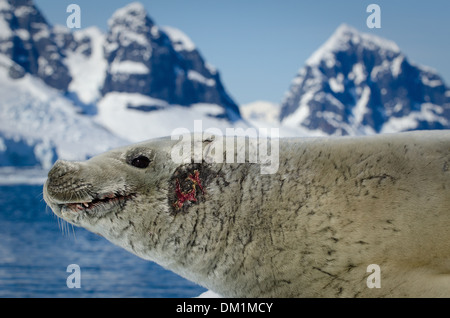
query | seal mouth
[101, 203]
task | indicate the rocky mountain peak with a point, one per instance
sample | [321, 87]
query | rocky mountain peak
[129, 23]
[132, 16]
[160, 63]
[26, 38]
[359, 83]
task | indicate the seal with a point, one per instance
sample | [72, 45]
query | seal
[336, 207]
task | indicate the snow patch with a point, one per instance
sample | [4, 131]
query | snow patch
[43, 33]
[431, 82]
[181, 42]
[2, 145]
[115, 113]
[261, 111]
[383, 68]
[24, 10]
[23, 34]
[128, 37]
[358, 74]
[396, 66]
[337, 83]
[211, 68]
[5, 31]
[196, 76]
[302, 111]
[428, 113]
[360, 108]
[209, 294]
[88, 73]
[44, 67]
[128, 67]
[4, 5]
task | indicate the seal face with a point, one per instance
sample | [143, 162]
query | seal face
[77, 190]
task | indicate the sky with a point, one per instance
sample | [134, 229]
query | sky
[258, 46]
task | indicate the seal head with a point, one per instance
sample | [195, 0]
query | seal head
[113, 194]
[77, 190]
[139, 199]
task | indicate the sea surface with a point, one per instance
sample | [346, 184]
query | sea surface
[36, 249]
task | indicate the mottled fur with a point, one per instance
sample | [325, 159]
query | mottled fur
[335, 206]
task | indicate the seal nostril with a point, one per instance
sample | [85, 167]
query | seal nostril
[56, 171]
[64, 183]
[60, 169]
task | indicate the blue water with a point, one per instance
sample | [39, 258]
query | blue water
[36, 248]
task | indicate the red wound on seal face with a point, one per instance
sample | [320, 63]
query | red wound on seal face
[190, 195]
[196, 180]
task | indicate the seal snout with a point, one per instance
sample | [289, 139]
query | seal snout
[64, 180]
[70, 189]
[61, 168]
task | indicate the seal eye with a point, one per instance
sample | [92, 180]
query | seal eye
[141, 162]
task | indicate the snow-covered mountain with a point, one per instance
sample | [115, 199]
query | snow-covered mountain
[156, 80]
[160, 63]
[38, 124]
[358, 83]
[72, 95]
[27, 39]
